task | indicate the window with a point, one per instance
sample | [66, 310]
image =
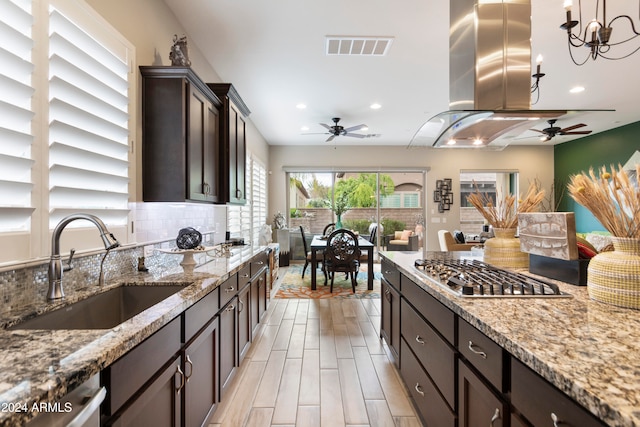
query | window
[65, 90]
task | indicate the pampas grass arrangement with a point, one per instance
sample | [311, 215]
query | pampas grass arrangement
[611, 197]
[505, 214]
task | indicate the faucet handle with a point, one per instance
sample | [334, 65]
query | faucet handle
[69, 266]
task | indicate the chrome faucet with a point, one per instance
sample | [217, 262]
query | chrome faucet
[55, 265]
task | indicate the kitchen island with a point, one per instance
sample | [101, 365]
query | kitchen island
[587, 350]
[42, 366]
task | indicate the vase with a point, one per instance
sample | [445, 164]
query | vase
[614, 277]
[503, 250]
[339, 222]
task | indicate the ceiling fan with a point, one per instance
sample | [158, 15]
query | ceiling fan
[337, 130]
[553, 130]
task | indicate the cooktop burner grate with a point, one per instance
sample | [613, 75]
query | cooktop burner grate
[474, 278]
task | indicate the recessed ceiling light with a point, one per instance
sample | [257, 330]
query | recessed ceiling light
[301, 106]
[304, 128]
[375, 106]
[577, 89]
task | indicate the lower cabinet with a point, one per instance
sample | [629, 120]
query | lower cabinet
[159, 405]
[478, 405]
[433, 410]
[263, 293]
[390, 317]
[244, 321]
[200, 390]
[542, 403]
[228, 342]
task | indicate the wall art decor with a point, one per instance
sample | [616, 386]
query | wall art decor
[442, 195]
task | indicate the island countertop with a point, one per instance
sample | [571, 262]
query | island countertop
[587, 349]
[43, 365]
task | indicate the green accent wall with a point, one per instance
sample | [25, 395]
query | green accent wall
[603, 149]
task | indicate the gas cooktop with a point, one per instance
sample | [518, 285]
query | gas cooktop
[474, 278]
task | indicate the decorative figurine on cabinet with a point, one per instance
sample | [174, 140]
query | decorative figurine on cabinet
[179, 54]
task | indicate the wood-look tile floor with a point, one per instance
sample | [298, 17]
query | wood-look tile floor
[317, 363]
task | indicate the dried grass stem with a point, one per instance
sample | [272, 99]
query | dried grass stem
[505, 214]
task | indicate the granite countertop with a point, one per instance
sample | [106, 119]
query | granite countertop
[587, 349]
[42, 366]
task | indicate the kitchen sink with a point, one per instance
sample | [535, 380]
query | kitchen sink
[102, 311]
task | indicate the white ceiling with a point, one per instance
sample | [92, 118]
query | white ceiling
[274, 54]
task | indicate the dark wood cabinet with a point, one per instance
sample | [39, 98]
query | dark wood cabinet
[432, 408]
[245, 321]
[542, 404]
[200, 367]
[228, 342]
[158, 405]
[478, 405]
[390, 317]
[180, 137]
[233, 143]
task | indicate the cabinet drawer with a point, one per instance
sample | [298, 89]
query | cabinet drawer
[390, 272]
[126, 375]
[484, 354]
[438, 359]
[432, 408]
[540, 402]
[244, 276]
[228, 289]
[257, 263]
[440, 317]
[201, 313]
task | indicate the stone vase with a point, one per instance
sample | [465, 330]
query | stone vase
[503, 250]
[614, 277]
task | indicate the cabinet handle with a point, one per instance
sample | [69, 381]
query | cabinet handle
[230, 289]
[419, 389]
[206, 188]
[419, 339]
[231, 308]
[388, 272]
[181, 386]
[260, 280]
[188, 361]
[496, 416]
[477, 350]
[387, 294]
[238, 194]
[556, 421]
[240, 306]
[260, 262]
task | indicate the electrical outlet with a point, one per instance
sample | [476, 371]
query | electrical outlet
[148, 250]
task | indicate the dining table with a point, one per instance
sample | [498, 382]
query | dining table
[320, 242]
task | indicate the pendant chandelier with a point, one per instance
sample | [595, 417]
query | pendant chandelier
[596, 34]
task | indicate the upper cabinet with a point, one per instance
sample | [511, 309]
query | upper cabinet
[181, 148]
[233, 143]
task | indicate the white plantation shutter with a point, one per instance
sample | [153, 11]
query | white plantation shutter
[258, 197]
[16, 114]
[88, 120]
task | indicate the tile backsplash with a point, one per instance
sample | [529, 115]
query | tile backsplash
[155, 224]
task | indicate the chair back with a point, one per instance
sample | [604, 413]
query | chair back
[342, 248]
[304, 241]
[330, 228]
[372, 236]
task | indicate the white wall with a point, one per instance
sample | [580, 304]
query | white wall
[530, 162]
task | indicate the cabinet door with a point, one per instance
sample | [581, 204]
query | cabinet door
[202, 148]
[244, 321]
[237, 153]
[390, 317]
[201, 376]
[228, 342]
[159, 405]
[477, 405]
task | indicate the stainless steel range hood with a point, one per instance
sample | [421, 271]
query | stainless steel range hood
[490, 77]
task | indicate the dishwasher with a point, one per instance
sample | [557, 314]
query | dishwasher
[84, 403]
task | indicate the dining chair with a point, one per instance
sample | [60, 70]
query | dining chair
[342, 256]
[330, 228]
[364, 255]
[308, 254]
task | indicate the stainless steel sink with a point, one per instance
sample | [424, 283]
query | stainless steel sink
[102, 311]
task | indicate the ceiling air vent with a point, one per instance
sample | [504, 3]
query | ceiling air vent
[362, 46]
